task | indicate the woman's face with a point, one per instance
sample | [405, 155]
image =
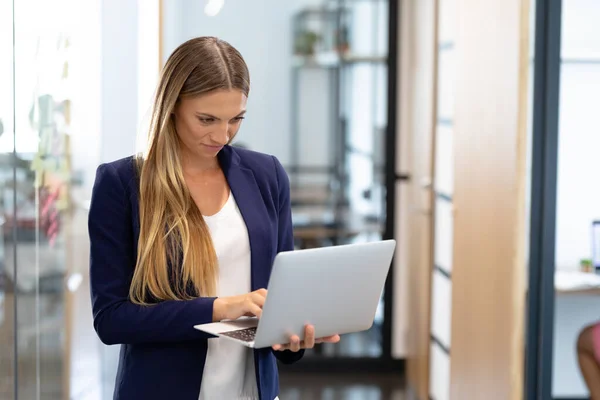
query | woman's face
[206, 123]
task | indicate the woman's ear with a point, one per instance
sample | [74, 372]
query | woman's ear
[176, 107]
[175, 110]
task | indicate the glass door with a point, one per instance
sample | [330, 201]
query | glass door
[350, 58]
[8, 365]
[564, 280]
[47, 150]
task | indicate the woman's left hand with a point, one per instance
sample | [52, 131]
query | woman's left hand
[309, 341]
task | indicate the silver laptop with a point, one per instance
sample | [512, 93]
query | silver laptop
[336, 289]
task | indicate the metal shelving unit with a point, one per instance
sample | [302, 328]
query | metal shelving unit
[333, 42]
[323, 42]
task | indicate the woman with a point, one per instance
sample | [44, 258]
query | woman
[187, 234]
[588, 354]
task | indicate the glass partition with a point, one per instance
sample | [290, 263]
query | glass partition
[79, 98]
[577, 284]
[7, 293]
[564, 284]
[48, 154]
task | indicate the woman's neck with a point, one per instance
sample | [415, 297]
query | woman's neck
[197, 165]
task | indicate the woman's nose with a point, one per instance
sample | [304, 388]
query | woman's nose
[222, 134]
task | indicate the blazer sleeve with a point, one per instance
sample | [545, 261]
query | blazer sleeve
[285, 241]
[112, 261]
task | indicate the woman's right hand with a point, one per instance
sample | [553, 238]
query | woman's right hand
[234, 307]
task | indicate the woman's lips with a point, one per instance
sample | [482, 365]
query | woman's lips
[213, 148]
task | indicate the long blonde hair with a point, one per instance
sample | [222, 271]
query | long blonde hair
[176, 259]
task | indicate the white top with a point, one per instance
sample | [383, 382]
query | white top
[229, 369]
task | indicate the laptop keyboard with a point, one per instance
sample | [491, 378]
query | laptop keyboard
[246, 335]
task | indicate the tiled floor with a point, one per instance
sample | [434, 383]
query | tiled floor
[341, 387]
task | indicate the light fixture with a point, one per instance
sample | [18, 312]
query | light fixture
[74, 281]
[213, 7]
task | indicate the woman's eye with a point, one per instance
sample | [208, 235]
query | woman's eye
[207, 120]
[238, 119]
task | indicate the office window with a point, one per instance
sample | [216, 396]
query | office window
[577, 189]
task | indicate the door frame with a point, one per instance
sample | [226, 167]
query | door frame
[385, 363]
[542, 238]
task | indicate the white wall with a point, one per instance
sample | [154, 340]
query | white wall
[262, 32]
[128, 76]
[119, 113]
[148, 63]
[578, 202]
[86, 73]
[119, 79]
[6, 75]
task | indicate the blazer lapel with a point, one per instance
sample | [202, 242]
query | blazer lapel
[252, 207]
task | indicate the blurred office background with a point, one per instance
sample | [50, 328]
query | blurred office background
[428, 121]
[77, 84]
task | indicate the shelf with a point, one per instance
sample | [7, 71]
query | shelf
[331, 11]
[334, 60]
[331, 41]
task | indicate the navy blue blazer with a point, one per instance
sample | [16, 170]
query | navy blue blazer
[162, 356]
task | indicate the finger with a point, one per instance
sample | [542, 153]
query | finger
[332, 339]
[261, 292]
[329, 339]
[251, 307]
[335, 339]
[258, 299]
[309, 337]
[295, 343]
[255, 310]
[281, 347]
